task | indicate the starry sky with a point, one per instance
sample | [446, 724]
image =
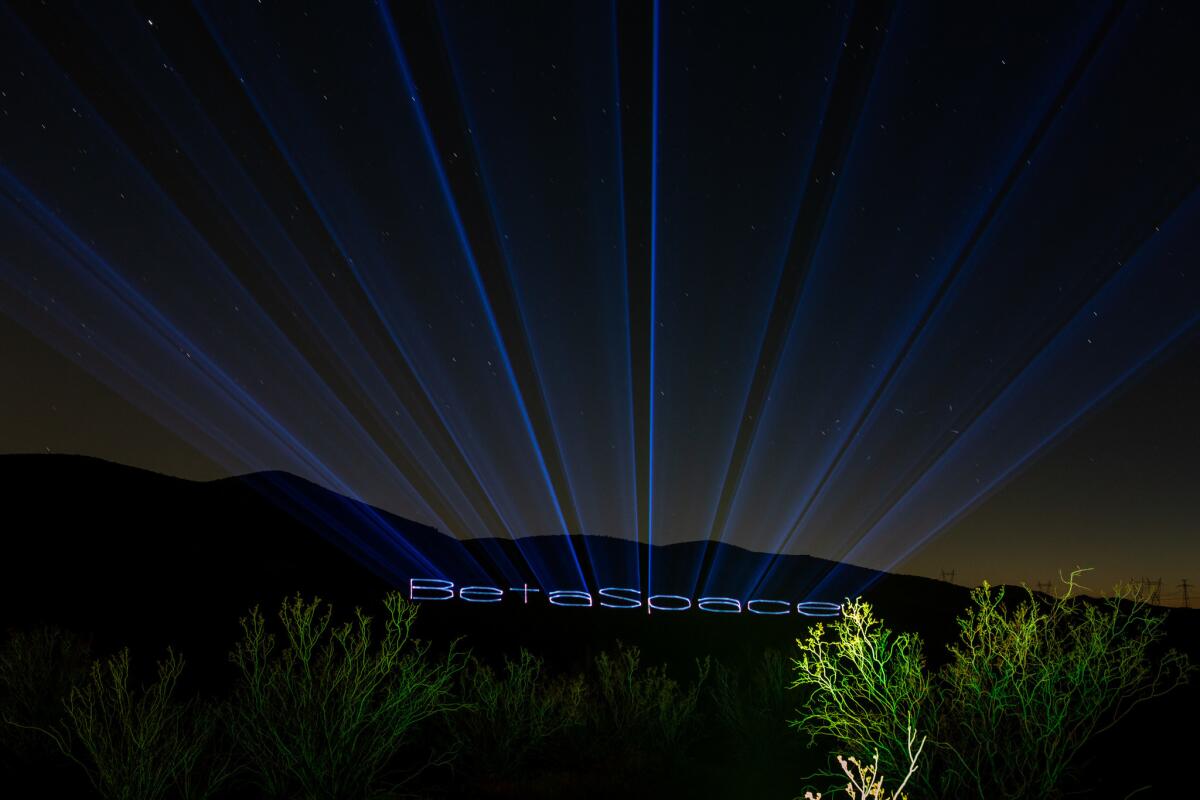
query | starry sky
[910, 285]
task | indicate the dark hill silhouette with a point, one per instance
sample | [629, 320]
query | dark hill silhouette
[133, 554]
[139, 557]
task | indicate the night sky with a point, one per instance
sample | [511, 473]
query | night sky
[909, 285]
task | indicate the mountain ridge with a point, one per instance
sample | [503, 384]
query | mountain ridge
[138, 556]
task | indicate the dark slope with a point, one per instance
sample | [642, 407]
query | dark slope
[137, 556]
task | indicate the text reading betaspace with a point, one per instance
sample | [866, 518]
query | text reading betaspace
[621, 597]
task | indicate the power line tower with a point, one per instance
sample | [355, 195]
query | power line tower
[948, 575]
[1044, 586]
[1184, 587]
[1151, 590]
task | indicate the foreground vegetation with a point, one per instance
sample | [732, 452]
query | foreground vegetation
[323, 709]
[1027, 686]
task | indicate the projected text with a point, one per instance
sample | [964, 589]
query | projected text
[623, 597]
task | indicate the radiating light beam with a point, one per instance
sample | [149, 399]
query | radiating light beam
[653, 292]
[468, 253]
[957, 267]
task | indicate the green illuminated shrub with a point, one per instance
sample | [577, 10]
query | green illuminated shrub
[1026, 687]
[139, 744]
[867, 687]
[512, 717]
[327, 716]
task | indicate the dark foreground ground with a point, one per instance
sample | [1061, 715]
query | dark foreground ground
[134, 558]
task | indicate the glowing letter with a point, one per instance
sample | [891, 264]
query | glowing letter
[633, 602]
[819, 608]
[430, 585]
[570, 594]
[481, 594]
[787, 607]
[653, 597]
[731, 606]
[526, 590]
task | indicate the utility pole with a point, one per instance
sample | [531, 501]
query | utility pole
[1184, 587]
[948, 575]
[1151, 591]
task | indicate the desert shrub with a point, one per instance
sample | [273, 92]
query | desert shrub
[328, 715]
[511, 716]
[750, 706]
[138, 744]
[1026, 687]
[38, 669]
[867, 686]
[638, 712]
